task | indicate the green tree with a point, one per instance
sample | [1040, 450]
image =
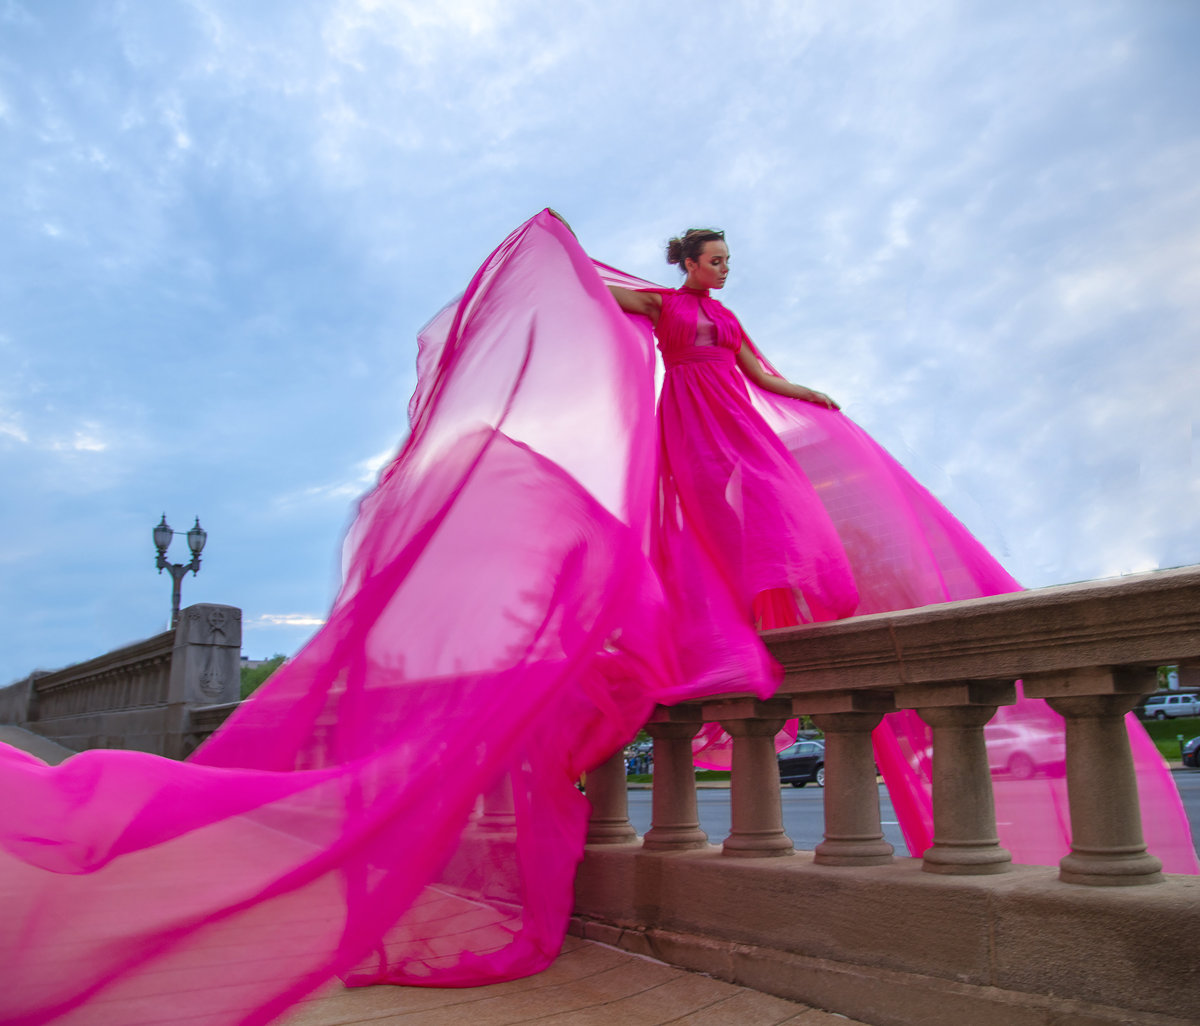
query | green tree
[1164, 673]
[253, 676]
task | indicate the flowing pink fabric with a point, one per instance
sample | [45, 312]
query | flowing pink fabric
[398, 803]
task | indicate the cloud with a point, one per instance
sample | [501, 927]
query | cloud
[268, 620]
[84, 440]
[366, 471]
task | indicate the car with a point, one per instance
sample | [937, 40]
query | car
[802, 762]
[1161, 707]
[1191, 753]
[1022, 749]
[1017, 749]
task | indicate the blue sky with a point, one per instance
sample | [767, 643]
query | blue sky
[977, 225]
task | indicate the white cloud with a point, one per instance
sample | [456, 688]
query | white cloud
[267, 620]
[1156, 264]
[11, 429]
[421, 33]
[174, 119]
[88, 437]
[365, 473]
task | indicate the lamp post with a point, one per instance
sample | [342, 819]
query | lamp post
[196, 537]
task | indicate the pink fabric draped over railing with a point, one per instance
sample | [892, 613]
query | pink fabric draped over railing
[398, 802]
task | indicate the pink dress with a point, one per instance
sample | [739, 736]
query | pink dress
[740, 530]
[398, 802]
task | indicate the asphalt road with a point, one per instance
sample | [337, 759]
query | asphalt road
[804, 816]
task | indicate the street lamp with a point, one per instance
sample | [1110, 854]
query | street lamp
[196, 537]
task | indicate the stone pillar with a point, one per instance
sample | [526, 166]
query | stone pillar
[853, 832]
[675, 821]
[607, 791]
[206, 667]
[755, 809]
[1107, 846]
[965, 841]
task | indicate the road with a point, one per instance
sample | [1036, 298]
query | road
[804, 816]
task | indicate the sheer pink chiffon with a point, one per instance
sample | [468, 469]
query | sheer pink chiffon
[398, 803]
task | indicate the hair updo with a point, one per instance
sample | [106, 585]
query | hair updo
[691, 245]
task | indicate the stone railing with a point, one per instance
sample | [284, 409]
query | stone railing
[162, 695]
[848, 927]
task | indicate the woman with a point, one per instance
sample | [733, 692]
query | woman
[737, 512]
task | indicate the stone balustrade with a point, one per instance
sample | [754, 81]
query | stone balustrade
[1089, 649]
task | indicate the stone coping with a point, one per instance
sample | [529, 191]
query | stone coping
[1142, 620]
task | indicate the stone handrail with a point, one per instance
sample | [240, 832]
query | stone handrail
[1089, 649]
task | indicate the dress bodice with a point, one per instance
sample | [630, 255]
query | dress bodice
[693, 327]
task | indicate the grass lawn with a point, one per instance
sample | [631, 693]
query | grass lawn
[1165, 734]
[646, 778]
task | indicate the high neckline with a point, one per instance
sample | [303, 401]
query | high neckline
[692, 291]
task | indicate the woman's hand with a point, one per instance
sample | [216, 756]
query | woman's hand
[817, 398]
[554, 213]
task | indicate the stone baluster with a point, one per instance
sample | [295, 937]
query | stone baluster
[965, 840]
[675, 821]
[853, 831]
[607, 790]
[1107, 844]
[499, 815]
[756, 812]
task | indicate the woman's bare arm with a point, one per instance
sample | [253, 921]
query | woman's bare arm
[648, 304]
[753, 369]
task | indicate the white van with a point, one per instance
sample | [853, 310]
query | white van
[1161, 707]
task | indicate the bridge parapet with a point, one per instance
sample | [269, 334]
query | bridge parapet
[881, 952]
[144, 696]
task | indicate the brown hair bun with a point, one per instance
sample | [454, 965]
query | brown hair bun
[690, 245]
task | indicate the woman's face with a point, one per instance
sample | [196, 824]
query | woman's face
[711, 270]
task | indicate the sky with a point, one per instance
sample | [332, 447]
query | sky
[222, 224]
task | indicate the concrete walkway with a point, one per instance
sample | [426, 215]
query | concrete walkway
[45, 749]
[588, 985]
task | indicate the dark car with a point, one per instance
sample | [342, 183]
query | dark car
[1191, 753]
[802, 762]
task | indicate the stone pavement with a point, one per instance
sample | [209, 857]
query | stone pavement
[588, 985]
